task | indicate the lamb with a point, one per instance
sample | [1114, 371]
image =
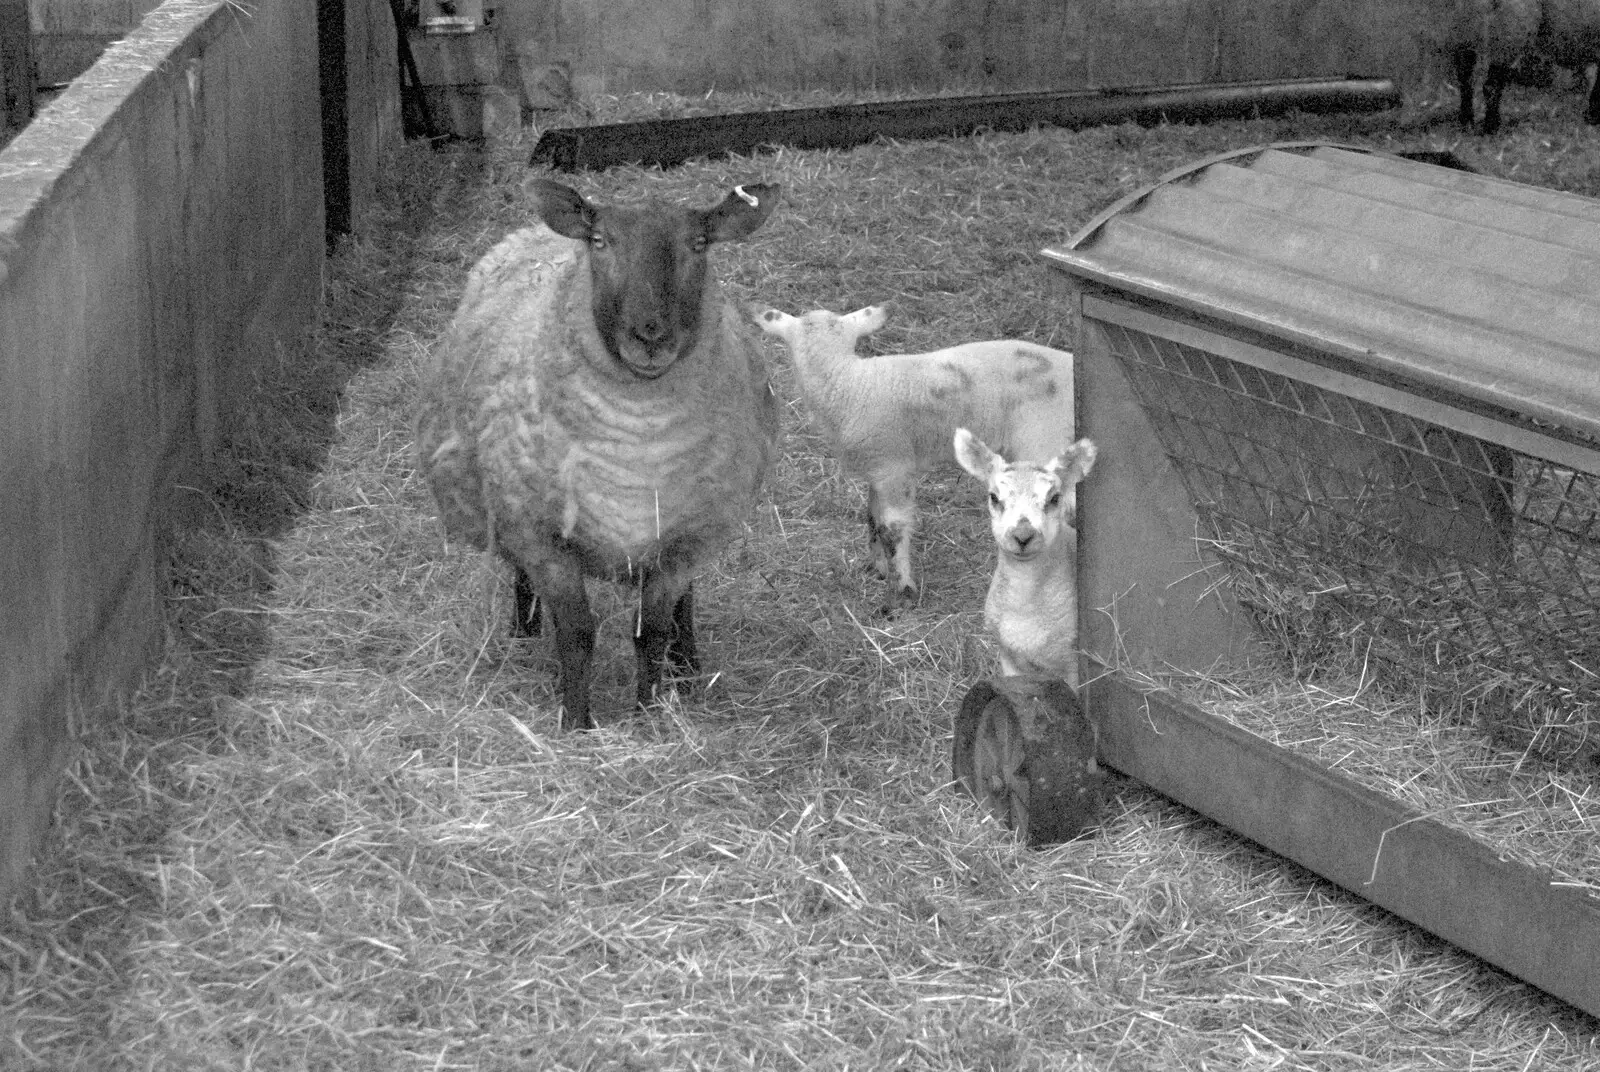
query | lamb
[596, 408]
[1504, 32]
[1032, 606]
[889, 418]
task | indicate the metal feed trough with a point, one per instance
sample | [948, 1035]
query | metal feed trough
[1346, 400]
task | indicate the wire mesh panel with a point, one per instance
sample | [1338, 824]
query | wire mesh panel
[1452, 564]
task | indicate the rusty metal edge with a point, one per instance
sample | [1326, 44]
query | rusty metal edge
[1509, 914]
[665, 142]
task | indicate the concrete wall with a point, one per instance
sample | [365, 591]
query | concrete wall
[71, 34]
[691, 45]
[161, 232]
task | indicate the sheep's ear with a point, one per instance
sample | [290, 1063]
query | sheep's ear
[775, 322]
[867, 319]
[1074, 463]
[974, 455]
[741, 212]
[562, 208]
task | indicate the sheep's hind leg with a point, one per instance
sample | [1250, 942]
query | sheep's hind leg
[526, 619]
[562, 590]
[664, 633]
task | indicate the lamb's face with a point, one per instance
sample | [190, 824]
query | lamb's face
[647, 266]
[1029, 508]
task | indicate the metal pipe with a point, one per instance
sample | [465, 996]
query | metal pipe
[665, 142]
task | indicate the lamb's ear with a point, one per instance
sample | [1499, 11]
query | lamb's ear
[1074, 463]
[974, 455]
[866, 320]
[562, 208]
[775, 322]
[741, 212]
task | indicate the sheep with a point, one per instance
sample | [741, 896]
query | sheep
[597, 408]
[1569, 36]
[1499, 32]
[889, 418]
[1032, 606]
[1506, 33]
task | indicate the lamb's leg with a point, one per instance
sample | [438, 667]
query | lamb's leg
[1591, 114]
[1494, 87]
[561, 587]
[1464, 58]
[894, 522]
[526, 621]
[664, 630]
[878, 540]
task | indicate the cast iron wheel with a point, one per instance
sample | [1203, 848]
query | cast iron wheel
[1024, 750]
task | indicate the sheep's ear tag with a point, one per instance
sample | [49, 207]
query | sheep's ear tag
[748, 198]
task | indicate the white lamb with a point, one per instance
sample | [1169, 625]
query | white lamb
[889, 418]
[1032, 607]
[598, 409]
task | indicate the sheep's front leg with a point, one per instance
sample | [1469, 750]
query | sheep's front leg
[683, 653]
[526, 620]
[894, 515]
[560, 585]
[664, 632]
[879, 541]
[1591, 114]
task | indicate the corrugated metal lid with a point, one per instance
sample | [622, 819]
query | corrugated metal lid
[1464, 283]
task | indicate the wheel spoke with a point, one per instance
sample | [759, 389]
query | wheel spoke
[999, 756]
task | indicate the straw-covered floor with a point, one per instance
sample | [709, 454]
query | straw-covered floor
[338, 828]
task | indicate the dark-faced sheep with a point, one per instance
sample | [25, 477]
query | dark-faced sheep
[889, 418]
[598, 409]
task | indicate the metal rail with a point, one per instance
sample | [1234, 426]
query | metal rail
[665, 142]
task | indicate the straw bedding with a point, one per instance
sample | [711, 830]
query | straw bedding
[337, 828]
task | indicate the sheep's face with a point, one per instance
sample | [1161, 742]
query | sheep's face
[820, 329]
[1029, 507]
[647, 265]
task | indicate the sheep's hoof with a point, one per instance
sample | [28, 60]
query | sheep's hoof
[1025, 750]
[569, 722]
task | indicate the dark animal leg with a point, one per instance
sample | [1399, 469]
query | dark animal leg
[1465, 59]
[665, 608]
[1494, 87]
[683, 653]
[526, 621]
[1591, 114]
[562, 590]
